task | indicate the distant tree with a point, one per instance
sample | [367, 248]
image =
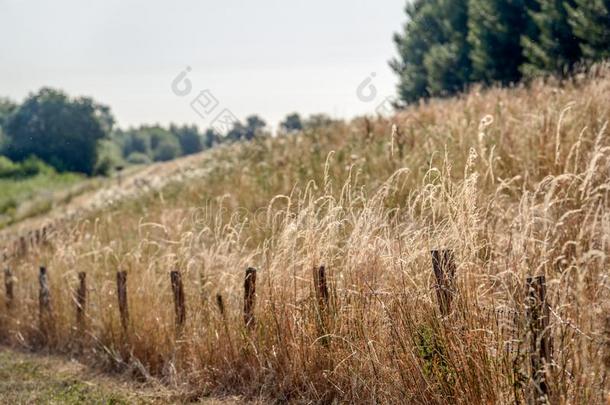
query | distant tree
[237, 132]
[138, 158]
[254, 127]
[553, 47]
[433, 49]
[494, 31]
[590, 22]
[189, 138]
[316, 121]
[61, 131]
[7, 107]
[109, 157]
[292, 123]
[164, 144]
[210, 138]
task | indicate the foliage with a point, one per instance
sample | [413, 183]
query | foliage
[446, 45]
[138, 158]
[553, 48]
[590, 22]
[433, 50]
[21, 170]
[62, 131]
[292, 123]
[253, 127]
[494, 28]
[189, 138]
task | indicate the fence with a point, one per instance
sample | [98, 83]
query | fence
[443, 267]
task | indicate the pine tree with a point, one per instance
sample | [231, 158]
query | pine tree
[433, 50]
[590, 22]
[553, 48]
[494, 31]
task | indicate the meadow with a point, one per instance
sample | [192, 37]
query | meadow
[515, 182]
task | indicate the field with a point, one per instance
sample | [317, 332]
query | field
[515, 182]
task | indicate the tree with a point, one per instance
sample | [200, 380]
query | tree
[254, 127]
[292, 123]
[210, 138]
[590, 22]
[316, 121]
[553, 47]
[494, 31]
[164, 145]
[433, 50]
[189, 138]
[60, 130]
[7, 107]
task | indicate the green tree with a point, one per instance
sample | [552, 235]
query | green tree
[553, 47]
[494, 31]
[60, 130]
[590, 22]
[254, 127]
[7, 107]
[292, 123]
[189, 138]
[210, 138]
[433, 49]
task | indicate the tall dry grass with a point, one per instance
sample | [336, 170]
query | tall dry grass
[514, 181]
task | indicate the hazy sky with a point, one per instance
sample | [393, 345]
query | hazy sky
[268, 57]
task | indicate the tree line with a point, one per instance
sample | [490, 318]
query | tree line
[78, 134]
[446, 45]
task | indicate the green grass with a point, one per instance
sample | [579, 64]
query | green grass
[27, 379]
[23, 198]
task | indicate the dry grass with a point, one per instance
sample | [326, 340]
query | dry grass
[515, 181]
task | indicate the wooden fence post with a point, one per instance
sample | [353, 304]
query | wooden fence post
[540, 341]
[8, 287]
[178, 290]
[44, 303]
[81, 301]
[249, 296]
[444, 271]
[121, 283]
[321, 287]
[220, 304]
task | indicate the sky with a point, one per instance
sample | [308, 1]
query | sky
[268, 57]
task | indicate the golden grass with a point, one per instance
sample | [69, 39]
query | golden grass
[514, 181]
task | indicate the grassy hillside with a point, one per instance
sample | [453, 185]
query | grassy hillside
[514, 181]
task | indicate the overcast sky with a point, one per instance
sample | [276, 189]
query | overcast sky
[269, 57]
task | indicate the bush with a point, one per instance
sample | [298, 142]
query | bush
[138, 158]
[30, 167]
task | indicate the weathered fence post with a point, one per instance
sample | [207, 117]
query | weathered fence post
[321, 287]
[178, 290]
[44, 303]
[540, 341]
[220, 304]
[323, 303]
[81, 301]
[121, 284]
[249, 296]
[444, 271]
[8, 287]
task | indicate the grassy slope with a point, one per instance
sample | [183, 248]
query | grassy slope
[20, 199]
[515, 181]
